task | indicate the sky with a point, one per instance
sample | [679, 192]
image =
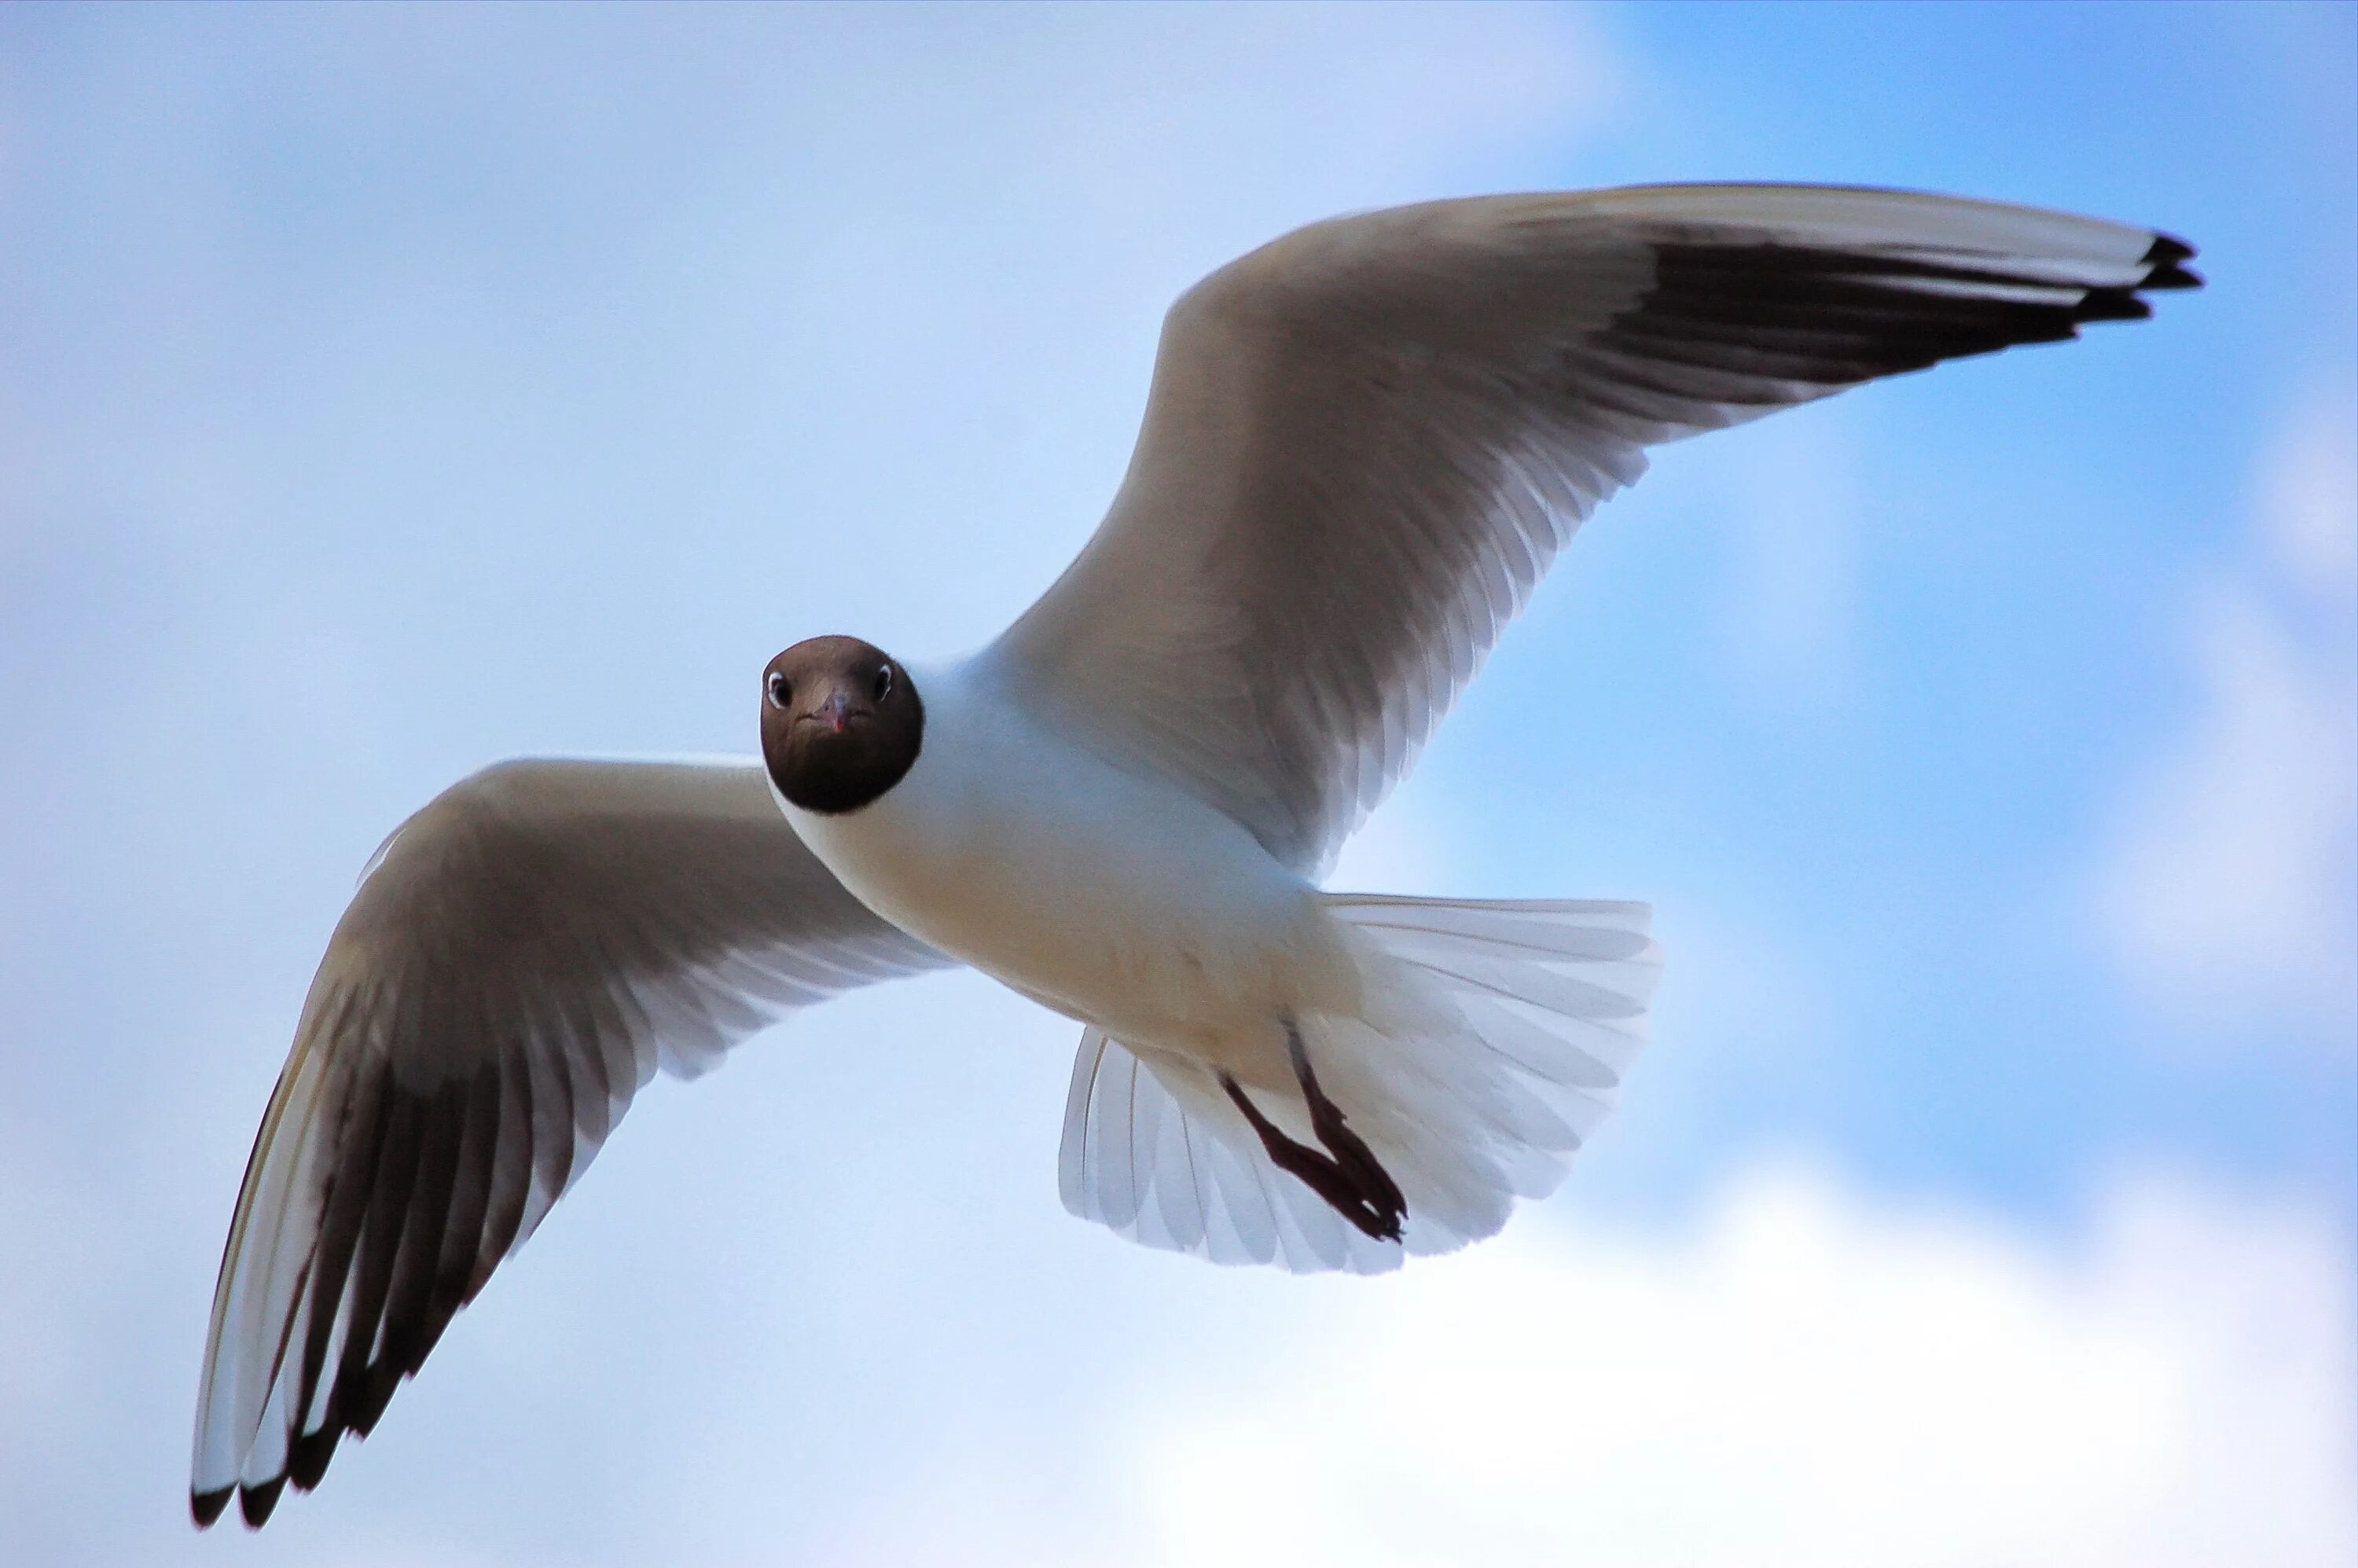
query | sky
[385, 391]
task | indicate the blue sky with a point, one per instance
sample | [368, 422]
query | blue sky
[383, 392]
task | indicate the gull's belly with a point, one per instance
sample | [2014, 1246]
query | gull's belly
[1117, 902]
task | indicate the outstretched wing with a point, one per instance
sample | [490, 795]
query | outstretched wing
[520, 957]
[1367, 441]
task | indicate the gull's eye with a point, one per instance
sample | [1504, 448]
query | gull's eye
[884, 682]
[780, 693]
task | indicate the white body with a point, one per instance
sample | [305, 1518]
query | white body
[1474, 1045]
[1121, 900]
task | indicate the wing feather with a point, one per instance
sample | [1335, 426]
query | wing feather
[1367, 441]
[519, 959]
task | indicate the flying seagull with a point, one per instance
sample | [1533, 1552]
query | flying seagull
[1364, 443]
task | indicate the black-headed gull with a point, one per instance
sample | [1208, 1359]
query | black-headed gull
[1365, 444]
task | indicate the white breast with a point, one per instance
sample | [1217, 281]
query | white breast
[1115, 899]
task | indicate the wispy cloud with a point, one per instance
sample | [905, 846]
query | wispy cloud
[2230, 887]
[1802, 1379]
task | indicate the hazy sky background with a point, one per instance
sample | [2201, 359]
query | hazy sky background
[387, 392]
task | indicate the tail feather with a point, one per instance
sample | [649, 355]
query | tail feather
[1491, 1044]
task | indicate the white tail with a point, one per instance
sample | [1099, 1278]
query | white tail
[1491, 1043]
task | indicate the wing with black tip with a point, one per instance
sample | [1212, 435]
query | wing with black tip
[521, 958]
[1367, 441]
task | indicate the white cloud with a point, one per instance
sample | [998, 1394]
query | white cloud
[1800, 1380]
[2232, 886]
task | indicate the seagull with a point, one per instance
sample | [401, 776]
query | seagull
[1364, 445]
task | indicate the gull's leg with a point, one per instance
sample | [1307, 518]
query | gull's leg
[1350, 1151]
[1348, 1174]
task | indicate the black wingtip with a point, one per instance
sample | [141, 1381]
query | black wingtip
[206, 1506]
[306, 1460]
[375, 1392]
[255, 1502]
[2112, 304]
[2165, 257]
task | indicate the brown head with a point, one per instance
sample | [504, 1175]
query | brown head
[840, 723]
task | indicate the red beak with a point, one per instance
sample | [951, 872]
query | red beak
[836, 712]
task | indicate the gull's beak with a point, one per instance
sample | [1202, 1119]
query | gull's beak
[835, 712]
